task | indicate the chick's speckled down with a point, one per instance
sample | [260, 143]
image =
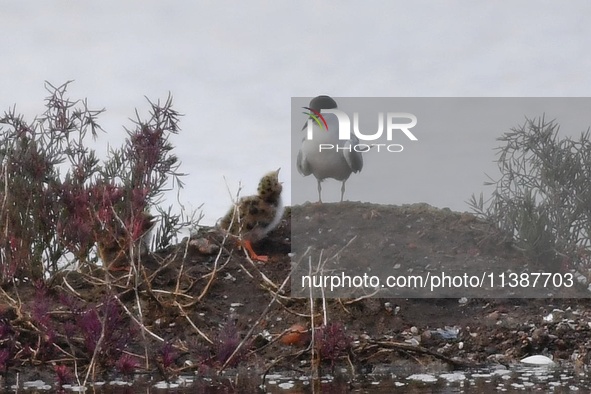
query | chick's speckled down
[254, 216]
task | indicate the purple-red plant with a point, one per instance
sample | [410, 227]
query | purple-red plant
[76, 225]
[168, 355]
[104, 326]
[40, 306]
[91, 328]
[30, 154]
[127, 364]
[226, 342]
[63, 374]
[47, 211]
[46, 331]
[332, 341]
[145, 165]
[70, 302]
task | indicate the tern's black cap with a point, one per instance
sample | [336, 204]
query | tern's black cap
[322, 102]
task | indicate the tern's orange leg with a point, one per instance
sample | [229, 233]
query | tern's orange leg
[248, 246]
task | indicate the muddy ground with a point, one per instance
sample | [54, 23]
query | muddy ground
[186, 309]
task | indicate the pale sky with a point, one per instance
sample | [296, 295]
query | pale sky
[233, 67]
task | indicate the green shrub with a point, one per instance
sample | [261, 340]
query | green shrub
[542, 198]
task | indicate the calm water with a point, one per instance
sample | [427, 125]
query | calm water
[383, 379]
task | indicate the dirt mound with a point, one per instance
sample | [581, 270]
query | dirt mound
[188, 308]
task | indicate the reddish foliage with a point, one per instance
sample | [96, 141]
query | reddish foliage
[168, 355]
[47, 215]
[63, 374]
[332, 342]
[226, 342]
[127, 364]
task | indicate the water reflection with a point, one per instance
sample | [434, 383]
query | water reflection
[382, 379]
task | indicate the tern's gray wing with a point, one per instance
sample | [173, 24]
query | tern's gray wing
[302, 164]
[354, 159]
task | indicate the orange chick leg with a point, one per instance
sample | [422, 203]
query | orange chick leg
[248, 246]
